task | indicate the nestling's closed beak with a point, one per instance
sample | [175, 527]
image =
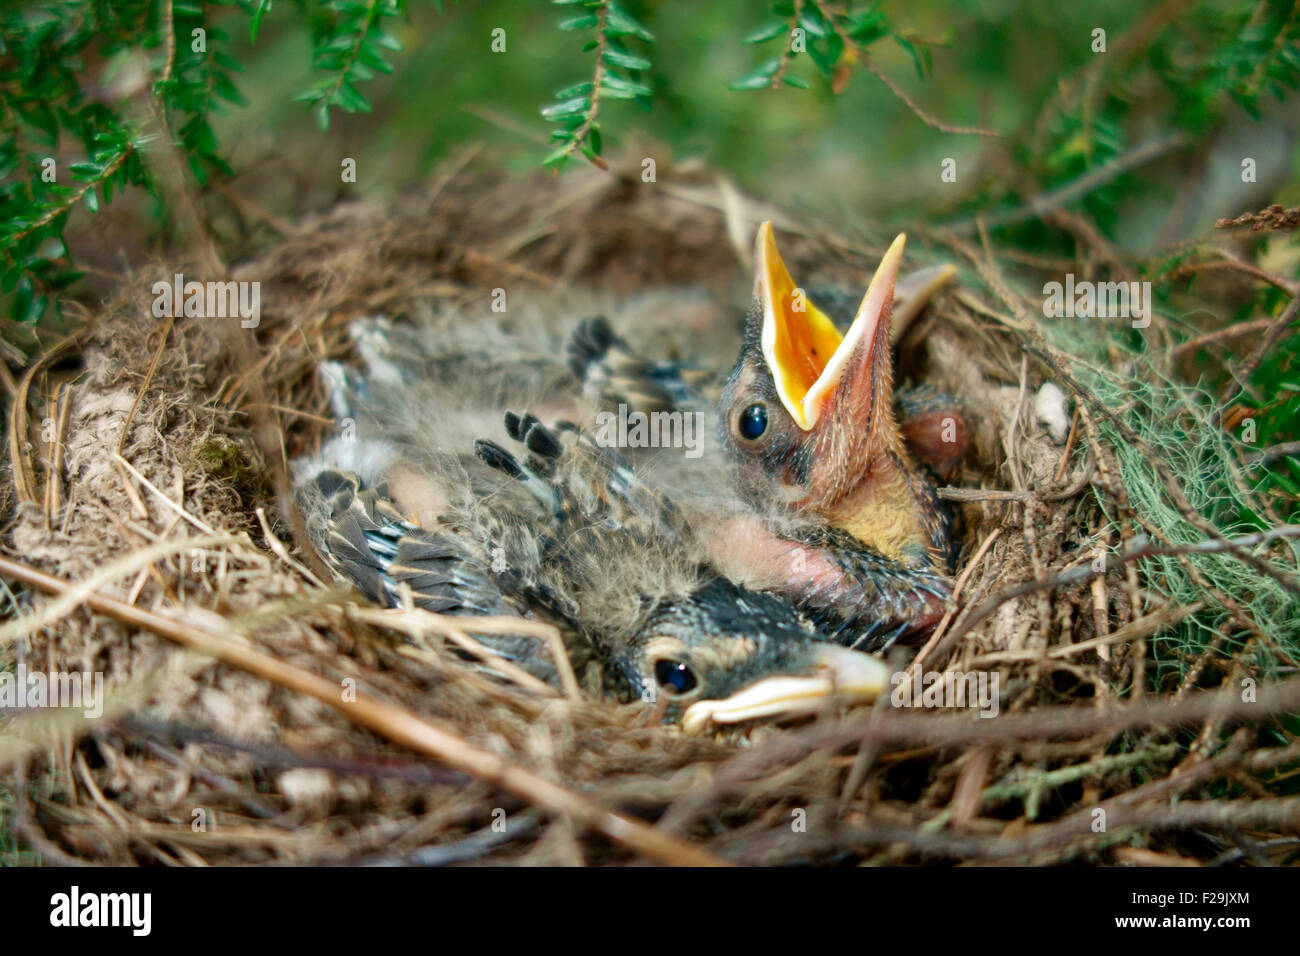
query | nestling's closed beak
[838, 673]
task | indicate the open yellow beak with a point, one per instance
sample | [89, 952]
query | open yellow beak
[807, 355]
[841, 674]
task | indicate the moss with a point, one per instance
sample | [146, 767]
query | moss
[230, 462]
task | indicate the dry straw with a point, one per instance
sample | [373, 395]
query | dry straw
[272, 717]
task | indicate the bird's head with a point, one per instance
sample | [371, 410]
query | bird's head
[806, 411]
[725, 655]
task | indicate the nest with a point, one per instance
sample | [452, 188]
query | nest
[256, 712]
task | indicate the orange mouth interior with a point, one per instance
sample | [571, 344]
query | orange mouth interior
[805, 352]
[803, 338]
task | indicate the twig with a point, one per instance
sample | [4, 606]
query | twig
[283, 553]
[1270, 217]
[24, 476]
[788, 53]
[949, 614]
[1236, 265]
[69, 201]
[983, 494]
[598, 76]
[1229, 332]
[1041, 205]
[1131, 631]
[1272, 453]
[1139, 548]
[71, 596]
[1045, 723]
[860, 54]
[178, 509]
[1274, 333]
[418, 622]
[169, 31]
[149, 373]
[472, 847]
[1069, 446]
[921, 114]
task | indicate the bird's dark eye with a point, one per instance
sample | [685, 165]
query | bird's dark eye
[675, 677]
[753, 422]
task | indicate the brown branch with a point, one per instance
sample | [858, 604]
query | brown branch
[1218, 335]
[583, 132]
[169, 31]
[1039, 206]
[1236, 265]
[1271, 217]
[24, 476]
[1274, 333]
[788, 53]
[70, 201]
[831, 16]
[1139, 548]
[1272, 453]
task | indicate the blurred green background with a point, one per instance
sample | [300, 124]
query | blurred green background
[999, 64]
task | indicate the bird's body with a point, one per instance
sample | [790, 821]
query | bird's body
[414, 505]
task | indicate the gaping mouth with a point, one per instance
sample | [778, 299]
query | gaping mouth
[839, 673]
[806, 353]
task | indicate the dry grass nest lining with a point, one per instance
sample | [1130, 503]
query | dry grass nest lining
[281, 765]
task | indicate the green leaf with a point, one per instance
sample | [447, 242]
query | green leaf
[757, 79]
[343, 43]
[557, 158]
[577, 106]
[763, 34]
[813, 24]
[618, 22]
[867, 26]
[35, 311]
[798, 82]
[224, 87]
[372, 58]
[825, 59]
[92, 200]
[626, 60]
[584, 22]
[920, 58]
[614, 85]
[23, 296]
[351, 100]
[262, 7]
[577, 89]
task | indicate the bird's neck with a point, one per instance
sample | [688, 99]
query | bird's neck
[883, 509]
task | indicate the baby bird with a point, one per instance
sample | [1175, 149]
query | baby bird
[565, 533]
[808, 416]
[712, 651]
[843, 516]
